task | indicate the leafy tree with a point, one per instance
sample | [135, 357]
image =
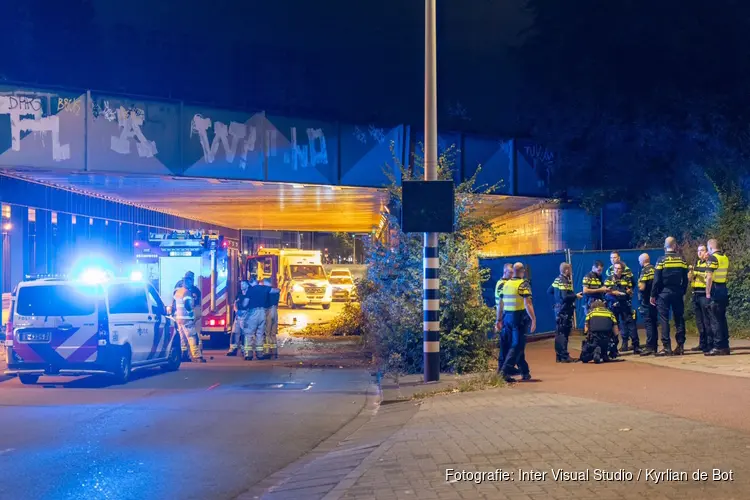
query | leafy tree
[391, 293]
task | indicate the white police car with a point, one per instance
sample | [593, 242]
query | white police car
[93, 326]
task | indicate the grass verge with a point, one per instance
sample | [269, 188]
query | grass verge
[472, 383]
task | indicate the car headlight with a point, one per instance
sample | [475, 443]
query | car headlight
[298, 289]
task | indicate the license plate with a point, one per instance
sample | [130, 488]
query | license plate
[35, 337]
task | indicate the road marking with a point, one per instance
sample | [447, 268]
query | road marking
[213, 386]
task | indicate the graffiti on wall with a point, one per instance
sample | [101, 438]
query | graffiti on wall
[130, 121]
[30, 114]
[377, 134]
[242, 138]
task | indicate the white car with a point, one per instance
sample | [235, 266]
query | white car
[63, 327]
[343, 284]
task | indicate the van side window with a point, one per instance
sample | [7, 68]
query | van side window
[154, 300]
[127, 298]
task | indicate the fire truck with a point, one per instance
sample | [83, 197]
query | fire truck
[164, 259]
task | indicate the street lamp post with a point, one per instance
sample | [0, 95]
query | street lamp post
[431, 262]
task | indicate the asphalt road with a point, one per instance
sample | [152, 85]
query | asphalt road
[298, 319]
[206, 431]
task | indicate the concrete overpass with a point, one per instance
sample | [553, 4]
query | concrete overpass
[239, 169]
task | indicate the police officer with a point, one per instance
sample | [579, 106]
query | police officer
[614, 258]
[697, 277]
[185, 320]
[565, 299]
[241, 315]
[272, 320]
[516, 318]
[507, 275]
[717, 297]
[600, 330]
[648, 312]
[620, 300]
[593, 285]
[256, 321]
[667, 293]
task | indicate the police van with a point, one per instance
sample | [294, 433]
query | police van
[92, 326]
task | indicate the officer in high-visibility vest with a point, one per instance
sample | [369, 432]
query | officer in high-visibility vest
[507, 275]
[614, 258]
[593, 285]
[516, 318]
[620, 300]
[600, 329]
[184, 316]
[565, 304]
[697, 277]
[717, 297]
[668, 293]
[648, 312]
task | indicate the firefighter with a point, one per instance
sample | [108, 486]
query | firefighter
[241, 315]
[614, 258]
[188, 281]
[272, 320]
[185, 320]
[697, 277]
[593, 285]
[648, 311]
[516, 318]
[620, 300]
[717, 297]
[600, 329]
[565, 299]
[667, 293]
[507, 275]
[256, 321]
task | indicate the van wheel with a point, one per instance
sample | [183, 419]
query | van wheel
[175, 357]
[29, 379]
[326, 306]
[123, 367]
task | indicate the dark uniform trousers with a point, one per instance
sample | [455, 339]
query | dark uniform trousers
[623, 311]
[564, 318]
[670, 299]
[650, 317]
[515, 327]
[703, 322]
[718, 313]
[606, 341]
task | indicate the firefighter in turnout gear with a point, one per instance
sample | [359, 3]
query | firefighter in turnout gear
[272, 320]
[256, 321]
[184, 316]
[667, 293]
[188, 281]
[515, 319]
[697, 277]
[717, 297]
[593, 286]
[565, 300]
[601, 332]
[648, 312]
[241, 316]
[507, 275]
[620, 300]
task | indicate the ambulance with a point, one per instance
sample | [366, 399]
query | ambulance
[164, 259]
[299, 274]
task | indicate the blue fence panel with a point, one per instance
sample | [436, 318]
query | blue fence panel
[542, 269]
[582, 261]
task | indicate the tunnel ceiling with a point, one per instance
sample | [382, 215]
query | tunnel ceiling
[250, 204]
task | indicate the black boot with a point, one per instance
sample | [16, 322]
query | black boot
[718, 352]
[249, 356]
[637, 350]
[697, 349]
[648, 351]
[598, 355]
[565, 360]
[232, 352]
[667, 351]
[679, 351]
[625, 347]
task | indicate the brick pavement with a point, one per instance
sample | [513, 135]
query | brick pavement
[513, 429]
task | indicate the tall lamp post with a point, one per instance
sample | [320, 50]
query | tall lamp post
[431, 262]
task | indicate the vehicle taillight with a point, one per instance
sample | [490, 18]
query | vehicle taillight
[223, 322]
[212, 322]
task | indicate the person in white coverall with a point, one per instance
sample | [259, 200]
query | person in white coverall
[185, 321]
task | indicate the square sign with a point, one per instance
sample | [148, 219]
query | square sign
[427, 207]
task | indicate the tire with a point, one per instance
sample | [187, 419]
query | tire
[28, 379]
[123, 367]
[326, 306]
[174, 360]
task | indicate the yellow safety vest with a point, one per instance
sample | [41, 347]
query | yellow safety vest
[181, 296]
[499, 288]
[720, 273]
[512, 296]
[699, 275]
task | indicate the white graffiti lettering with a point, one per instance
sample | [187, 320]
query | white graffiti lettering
[315, 153]
[540, 154]
[130, 122]
[360, 135]
[377, 133]
[26, 116]
[238, 131]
